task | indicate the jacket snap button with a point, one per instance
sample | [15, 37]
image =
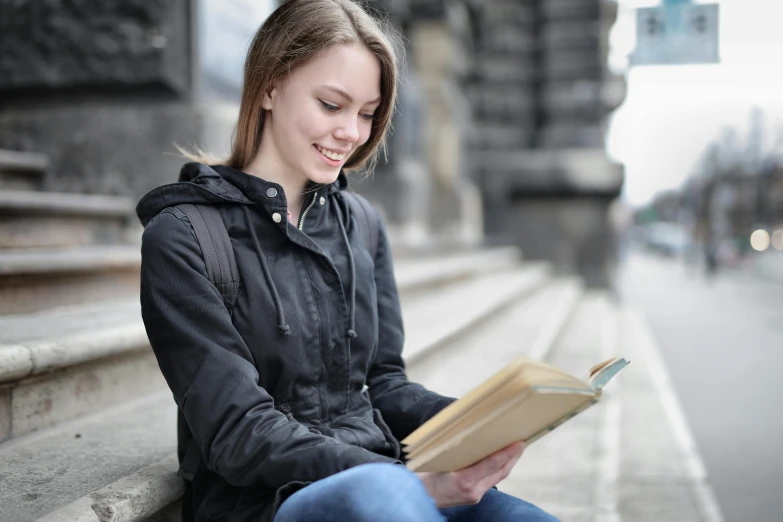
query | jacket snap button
[322, 200]
[276, 217]
[271, 192]
[285, 408]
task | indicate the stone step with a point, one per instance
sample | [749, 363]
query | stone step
[22, 170]
[528, 325]
[561, 472]
[53, 468]
[606, 464]
[61, 363]
[434, 320]
[39, 278]
[631, 457]
[138, 480]
[418, 275]
[31, 219]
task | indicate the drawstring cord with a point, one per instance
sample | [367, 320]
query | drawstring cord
[282, 327]
[351, 332]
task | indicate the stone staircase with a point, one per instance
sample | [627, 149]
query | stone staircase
[88, 426]
[60, 249]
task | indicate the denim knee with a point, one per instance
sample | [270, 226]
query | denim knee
[383, 492]
[381, 479]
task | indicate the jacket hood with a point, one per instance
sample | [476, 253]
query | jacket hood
[216, 184]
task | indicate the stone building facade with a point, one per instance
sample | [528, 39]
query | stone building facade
[499, 136]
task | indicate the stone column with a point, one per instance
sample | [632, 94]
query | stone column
[440, 35]
[541, 81]
[501, 88]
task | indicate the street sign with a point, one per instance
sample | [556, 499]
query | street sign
[677, 33]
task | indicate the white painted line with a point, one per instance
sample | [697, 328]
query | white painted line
[556, 321]
[606, 487]
[659, 374]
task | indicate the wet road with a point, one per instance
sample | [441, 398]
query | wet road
[723, 343]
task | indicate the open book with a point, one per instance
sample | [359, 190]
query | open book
[524, 401]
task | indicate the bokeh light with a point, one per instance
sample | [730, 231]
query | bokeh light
[759, 240]
[777, 239]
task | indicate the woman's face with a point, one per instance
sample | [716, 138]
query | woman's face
[323, 112]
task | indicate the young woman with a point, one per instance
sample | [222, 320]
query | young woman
[297, 397]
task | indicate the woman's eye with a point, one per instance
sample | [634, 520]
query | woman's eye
[329, 107]
[368, 117]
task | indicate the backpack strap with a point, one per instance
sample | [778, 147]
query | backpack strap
[222, 271]
[217, 250]
[366, 219]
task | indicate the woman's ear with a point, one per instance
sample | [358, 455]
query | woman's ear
[268, 98]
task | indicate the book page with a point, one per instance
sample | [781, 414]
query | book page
[604, 372]
[518, 420]
[511, 382]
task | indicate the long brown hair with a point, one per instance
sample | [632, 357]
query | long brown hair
[294, 33]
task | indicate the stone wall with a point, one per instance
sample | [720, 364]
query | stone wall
[108, 89]
[103, 88]
[500, 128]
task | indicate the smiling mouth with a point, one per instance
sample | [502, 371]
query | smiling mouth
[332, 155]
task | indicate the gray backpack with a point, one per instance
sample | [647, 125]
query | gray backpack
[222, 271]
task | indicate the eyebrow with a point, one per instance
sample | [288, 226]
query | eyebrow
[346, 95]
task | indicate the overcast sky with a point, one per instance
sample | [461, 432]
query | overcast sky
[672, 113]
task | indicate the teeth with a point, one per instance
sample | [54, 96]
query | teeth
[331, 155]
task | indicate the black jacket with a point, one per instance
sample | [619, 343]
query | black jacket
[273, 392]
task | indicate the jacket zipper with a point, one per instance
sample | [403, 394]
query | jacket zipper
[302, 219]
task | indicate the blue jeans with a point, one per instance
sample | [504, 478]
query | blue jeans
[391, 493]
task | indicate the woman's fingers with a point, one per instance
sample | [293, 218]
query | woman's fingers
[475, 480]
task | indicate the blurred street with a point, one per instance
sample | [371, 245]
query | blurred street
[721, 340]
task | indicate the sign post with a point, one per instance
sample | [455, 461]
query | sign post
[677, 32]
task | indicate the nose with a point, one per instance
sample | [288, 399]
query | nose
[349, 130]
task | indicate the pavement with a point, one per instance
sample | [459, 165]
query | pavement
[631, 457]
[721, 339]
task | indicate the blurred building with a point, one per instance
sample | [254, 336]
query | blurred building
[499, 138]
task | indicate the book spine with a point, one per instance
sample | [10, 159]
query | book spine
[561, 420]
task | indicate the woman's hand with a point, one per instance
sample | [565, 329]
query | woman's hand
[468, 485]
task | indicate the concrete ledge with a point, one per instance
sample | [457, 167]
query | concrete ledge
[139, 496]
[16, 362]
[425, 273]
[433, 320]
[23, 360]
[153, 489]
[56, 203]
[572, 291]
[17, 161]
[132, 498]
[77, 259]
[78, 334]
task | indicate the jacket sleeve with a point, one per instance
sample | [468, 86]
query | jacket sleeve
[404, 405]
[209, 369]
